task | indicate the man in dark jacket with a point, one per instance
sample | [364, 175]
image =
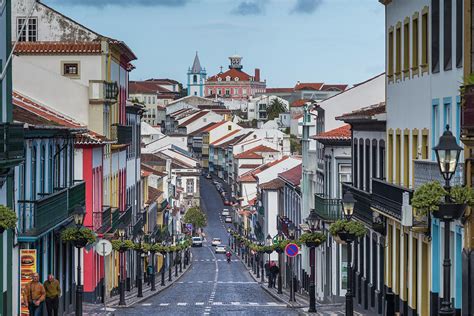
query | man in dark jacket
[274, 270]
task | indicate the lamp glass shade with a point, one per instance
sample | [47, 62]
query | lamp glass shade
[79, 216]
[121, 232]
[348, 203]
[447, 154]
[269, 239]
[291, 229]
[312, 220]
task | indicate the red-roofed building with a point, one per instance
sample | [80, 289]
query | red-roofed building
[340, 135]
[235, 83]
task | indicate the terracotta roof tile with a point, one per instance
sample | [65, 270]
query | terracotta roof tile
[279, 90]
[293, 175]
[201, 130]
[340, 133]
[334, 87]
[364, 113]
[147, 87]
[299, 103]
[309, 86]
[274, 184]
[58, 48]
[249, 166]
[250, 176]
[254, 152]
[214, 125]
[248, 155]
[225, 136]
[153, 194]
[232, 73]
[194, 118]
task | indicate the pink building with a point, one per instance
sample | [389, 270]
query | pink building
[235, 83]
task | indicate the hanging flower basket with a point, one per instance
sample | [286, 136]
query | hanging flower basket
[346, 236]
[80, 243]
[268, 249]
[312, 239]
[450, 211]
[79, 237]
[8, 218]
[338, 240]
[347, 230]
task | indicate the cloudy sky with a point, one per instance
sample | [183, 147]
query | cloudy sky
[334, 41]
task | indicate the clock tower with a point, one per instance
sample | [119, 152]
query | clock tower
[235, 62]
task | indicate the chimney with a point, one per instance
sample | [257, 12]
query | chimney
[257, 75]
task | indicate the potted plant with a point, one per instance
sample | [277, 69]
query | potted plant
[122, 245]
[430, 198]
[79, 237]
[313, 239]
[8, 218]
[268, 249]
[347, 230]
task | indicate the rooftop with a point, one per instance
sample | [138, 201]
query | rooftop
[274, 184]
[293, 176]
[365, 113]
[342, 133]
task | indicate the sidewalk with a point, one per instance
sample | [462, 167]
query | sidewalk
[131, 296]
[302, 300]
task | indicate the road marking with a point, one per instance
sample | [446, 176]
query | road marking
[217, 303]
[164, 304]
[235, 303]
[272, 303]
[253, 303]
[182, 304]
[146, 304]
[199, 303]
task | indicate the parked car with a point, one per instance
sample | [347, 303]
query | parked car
[228, 219]
[197, 242]
[215, 182]
[216, 241]
[225, 212]
[220, 249]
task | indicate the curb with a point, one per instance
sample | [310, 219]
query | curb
[155, 292]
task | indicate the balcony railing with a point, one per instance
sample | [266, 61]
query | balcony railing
[37, 217]
[121, 218]
[390, 198]
[11, 144]
[121, 133]
[428, 170]
[327, 209]
[362, 209]
[103, 91]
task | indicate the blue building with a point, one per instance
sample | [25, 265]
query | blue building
[196, 78]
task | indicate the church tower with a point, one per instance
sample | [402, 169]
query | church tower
[196, 78]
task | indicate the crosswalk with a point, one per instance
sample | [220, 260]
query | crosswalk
[218, 282]
[214, 260]
[254, 304]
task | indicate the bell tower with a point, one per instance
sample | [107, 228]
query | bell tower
[235, 62]
[196, 78]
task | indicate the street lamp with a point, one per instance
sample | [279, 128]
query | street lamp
[152, 251]
[79, 214]
[313, 222]
[121, 233]
[139, 240]
[280, 239]
[447, 155]
[348, 202]
[292, 233]
[269, 243]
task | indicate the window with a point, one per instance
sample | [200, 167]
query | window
[390, 155]
[361, 164]
[30, 31]
[424, 144]
[459, 35]
[382, 160]
[219, 91]
[374, 158]
[236, 91]
[447, 113]
[244, 91]
[70, 69]
[406, 158]
[414, 152]
[229, 128]
[447, 34]
[42, 169]
[398, 154]
[195, 79]
[435, 36]
[367, 165]
[33, 173]
[236, 78]
[190, 185]
[435, 122]
[414, 41]
[355, 156]
[390, 52]
[406, 48]
[50, 169]
[398, 52]
[227, 91]
[424, 40]
[219, 79]
[227, 78]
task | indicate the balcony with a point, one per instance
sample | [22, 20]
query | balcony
[102, 91]
[390, 199]
[362, 209]
[11, 145]
[39, 217]
[102, 221]
[329, 210]
[121, 133]
[121, 218]
[428, 170]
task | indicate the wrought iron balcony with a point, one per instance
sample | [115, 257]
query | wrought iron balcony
[103, 91]
[40, 216]
[389, 198]
[121, 133]
[327, 209]
[362, 209]
[12, 145]
[121, 218]
[428, 170]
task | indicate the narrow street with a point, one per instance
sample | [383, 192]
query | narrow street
[212, 286]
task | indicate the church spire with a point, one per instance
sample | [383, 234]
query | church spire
[196, 65]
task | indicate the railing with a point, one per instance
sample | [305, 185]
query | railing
[121, 133]
[428, 170]
[103, 91]
[38, 216]
[11, 144]
[327, 209]
[467, 114]
[389, 198]
[362, 209]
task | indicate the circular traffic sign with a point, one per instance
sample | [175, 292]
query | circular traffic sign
[291, 250]
[103, 247]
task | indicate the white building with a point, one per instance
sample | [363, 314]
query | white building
[257, 106]
[196, 78]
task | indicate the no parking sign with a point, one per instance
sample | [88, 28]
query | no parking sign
[291, 250]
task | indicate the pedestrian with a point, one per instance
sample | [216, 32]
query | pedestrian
[53, 292]
[267, 273]
[35, 295]
[274, 270]
[149, 272]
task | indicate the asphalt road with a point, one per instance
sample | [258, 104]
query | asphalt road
[212, 286]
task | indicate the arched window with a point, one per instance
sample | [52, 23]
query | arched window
[195, 79]
[227, 78]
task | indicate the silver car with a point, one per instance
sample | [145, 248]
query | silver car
[220, 249]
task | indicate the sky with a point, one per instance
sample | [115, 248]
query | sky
[332, 41]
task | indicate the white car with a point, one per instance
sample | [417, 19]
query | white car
[216, 241]
[220, 249]
[225, 212]
[228, 219]
[197, 242]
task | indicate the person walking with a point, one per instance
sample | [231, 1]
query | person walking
[274, 270]
[35, 295]
[149, 272]
[53, 292]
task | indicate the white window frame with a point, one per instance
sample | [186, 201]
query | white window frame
[26, 30]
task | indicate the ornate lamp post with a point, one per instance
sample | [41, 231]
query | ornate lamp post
[348, 202]
[163, 254]
[139, 240]
[280, 239]
[313, 222]
[262, 258]
[121, 233]
[79, 215]
[268, 242]
[152, 240]
[292, 232]
[447, 155]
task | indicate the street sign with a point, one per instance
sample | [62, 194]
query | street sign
[103, 247]
[291, 250]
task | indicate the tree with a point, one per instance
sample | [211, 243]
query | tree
[196, 217]
[295, 145]
[275, 108]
